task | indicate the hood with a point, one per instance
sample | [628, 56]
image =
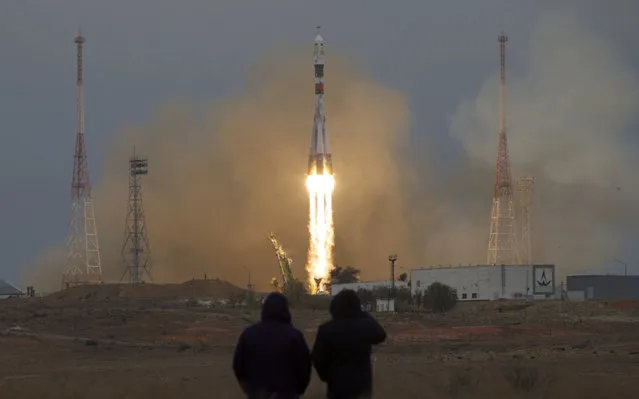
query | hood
[275, 308]
[346, 304]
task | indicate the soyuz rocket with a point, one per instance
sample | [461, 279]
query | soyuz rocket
[319, 160]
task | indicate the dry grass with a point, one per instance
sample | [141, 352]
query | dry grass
[192, 375]
[160, 348]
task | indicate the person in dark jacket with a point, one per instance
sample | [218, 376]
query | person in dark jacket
[342, 350]
[272, 359]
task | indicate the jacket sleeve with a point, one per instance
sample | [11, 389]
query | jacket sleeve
[321, 355]
[377, 334]
[239, 363]
[303, 363]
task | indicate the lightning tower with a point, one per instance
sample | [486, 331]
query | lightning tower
[320, 184]
[525, 187]
[502, 241]
[83, 250]
[136, 255]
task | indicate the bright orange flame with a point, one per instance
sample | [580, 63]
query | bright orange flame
[320, 227]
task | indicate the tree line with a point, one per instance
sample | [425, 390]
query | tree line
[437, 297]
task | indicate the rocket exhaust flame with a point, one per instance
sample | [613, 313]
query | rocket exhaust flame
[320, 184]
[320, 227]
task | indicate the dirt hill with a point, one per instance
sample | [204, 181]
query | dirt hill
[190, 289]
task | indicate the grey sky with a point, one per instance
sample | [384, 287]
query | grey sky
[141, 54]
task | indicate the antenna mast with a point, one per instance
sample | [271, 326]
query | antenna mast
[136, 254]
[502, 241]
[83, 250]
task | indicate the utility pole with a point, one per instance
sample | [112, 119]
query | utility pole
[136, 254]
[625, 266]
[249, 286]
[83, 263]
[392, 259]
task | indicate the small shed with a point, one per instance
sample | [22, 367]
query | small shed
[385, 305]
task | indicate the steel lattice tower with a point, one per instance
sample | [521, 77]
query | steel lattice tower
[136, 254]
[525, 188]
[83, 250]
[502, 241]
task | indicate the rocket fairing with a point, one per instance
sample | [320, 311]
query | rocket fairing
[319, 160]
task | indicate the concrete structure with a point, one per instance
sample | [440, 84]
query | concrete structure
[488, 282]
[601, 287]
[367, 285]
[384, 305]
[8, 290]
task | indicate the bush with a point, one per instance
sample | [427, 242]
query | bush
[439, 298]
[522, 378]
[462, 380]
[418, 299]
[365, 296]
[403, 294]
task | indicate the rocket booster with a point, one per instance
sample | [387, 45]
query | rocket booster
[319, 160]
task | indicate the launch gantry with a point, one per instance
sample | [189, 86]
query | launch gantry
[284, 261]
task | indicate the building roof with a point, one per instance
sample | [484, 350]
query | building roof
[6, 288]
[439, 267]
[604, 276]
[376, 282]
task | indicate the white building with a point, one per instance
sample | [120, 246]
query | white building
[486, 282]
[366, 285]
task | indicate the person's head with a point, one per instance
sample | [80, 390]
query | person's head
[346, 304]
[275, 308]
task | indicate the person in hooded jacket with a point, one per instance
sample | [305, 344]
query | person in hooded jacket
[342, 350]
[272, 359]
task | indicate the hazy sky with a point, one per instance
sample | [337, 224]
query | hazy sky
[143, 54]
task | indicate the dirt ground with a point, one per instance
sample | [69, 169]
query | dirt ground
[153, 342]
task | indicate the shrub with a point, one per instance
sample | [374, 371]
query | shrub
[365, 296]
[522, 378]
[418, 299]
[439, 298]
[461, 380]
[403, 294]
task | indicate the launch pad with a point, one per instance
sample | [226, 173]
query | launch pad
[320, 286]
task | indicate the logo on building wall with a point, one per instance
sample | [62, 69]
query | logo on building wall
[544, 276]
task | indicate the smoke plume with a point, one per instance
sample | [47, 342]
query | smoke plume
[223, 176]
[568, 115]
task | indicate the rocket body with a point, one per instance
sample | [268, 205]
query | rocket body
[320, 184]
[319, 160]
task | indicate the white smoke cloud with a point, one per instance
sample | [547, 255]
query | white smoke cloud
[567, 113]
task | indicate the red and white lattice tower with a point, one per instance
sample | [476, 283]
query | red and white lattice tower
[83, 263]
[502, 241]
